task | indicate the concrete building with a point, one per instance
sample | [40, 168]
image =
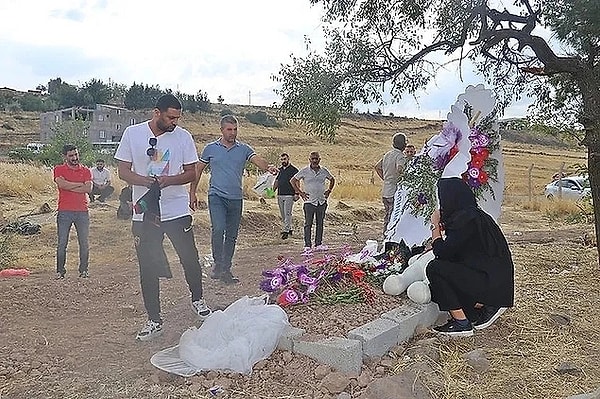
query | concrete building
[106, 122]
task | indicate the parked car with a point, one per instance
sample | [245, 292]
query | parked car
[573, 188]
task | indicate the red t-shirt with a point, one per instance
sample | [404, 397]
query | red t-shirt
[70, 200]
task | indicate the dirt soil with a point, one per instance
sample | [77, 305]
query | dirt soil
[75, 338]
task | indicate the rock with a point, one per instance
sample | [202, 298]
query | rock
[401, 386]
[478, 360]
[425, 349]
[379, 370]
[335, 382]
[344, 395]
[211, 375]
[559, 319]
[567, 368]
[288, 357]
[388, 362]
[321, 371]
[365, 378]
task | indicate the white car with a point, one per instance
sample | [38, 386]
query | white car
[573, 188]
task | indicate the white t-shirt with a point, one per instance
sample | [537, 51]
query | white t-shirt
[100, 177]
[173, 150]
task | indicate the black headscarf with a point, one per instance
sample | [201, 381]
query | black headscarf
[458, 207]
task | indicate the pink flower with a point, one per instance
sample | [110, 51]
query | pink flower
[473, 173]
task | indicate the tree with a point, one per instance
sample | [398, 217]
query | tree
[220, 99]
[96, 92]
[373, 45]
[71, 132]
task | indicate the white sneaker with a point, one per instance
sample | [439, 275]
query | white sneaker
[307, 251]
[201, 309]
[321, 248]
[150, 330]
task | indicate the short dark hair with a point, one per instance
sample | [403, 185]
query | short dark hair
[67, 148]
[167, 101]
[283, 154]
[100, 160]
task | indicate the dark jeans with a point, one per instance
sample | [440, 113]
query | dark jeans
[225, 218]
[149, 249]
[311, 212]
[103, 193]
[64, 220]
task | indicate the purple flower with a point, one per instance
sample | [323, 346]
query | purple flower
[473, 183]
[473, 173]
[483, 140]
[306, 279]
[290, 296]
[271, 284]
[422, 198]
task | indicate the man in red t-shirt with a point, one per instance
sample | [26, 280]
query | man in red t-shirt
[74, 182]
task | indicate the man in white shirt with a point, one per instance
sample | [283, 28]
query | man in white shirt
[101, 182]
[315, 198]
[390, 169]
[158, 158]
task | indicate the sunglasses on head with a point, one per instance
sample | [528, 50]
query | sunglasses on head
[152, 150]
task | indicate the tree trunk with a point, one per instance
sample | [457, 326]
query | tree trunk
[590, 119]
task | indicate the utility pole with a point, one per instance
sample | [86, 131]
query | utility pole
[249, 97]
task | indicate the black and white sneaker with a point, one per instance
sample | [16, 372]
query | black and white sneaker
[84, 274]
[201, 309]
[489, 314]
[455, 329]
[150, 330]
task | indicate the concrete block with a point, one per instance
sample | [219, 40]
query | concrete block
[377, 336]
[286, 341]
[342, 354]
[410, 315]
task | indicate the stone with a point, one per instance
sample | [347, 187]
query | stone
[478, 360]
[401, 386]
[335, 382]
[321, 371]
[567, 368]
[344, 395]
[591, 395]
[365, 378]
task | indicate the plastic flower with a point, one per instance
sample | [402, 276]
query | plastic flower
[473, 173]
[421, 198]
[288, 297]
[272, 284]
[483, 177]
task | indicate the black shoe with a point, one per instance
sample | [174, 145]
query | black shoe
[216, 274]
[60, 275]
[290, 233]
[284, 235]
[228, 278]
[489, 314]
[455, 329]
[84, 274]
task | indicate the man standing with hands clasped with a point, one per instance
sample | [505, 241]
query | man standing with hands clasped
[227, 158]
[315, 198]
[286, 195]
[158, 158]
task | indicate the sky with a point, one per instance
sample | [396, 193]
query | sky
[228, 48]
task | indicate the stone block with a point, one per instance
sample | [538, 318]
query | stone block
[341, 354]
[286, 341]
[377, 336]
[410, 315]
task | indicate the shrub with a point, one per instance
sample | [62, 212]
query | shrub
[7, 251]
[262, 118]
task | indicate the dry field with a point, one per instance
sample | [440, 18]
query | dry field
[74, 339]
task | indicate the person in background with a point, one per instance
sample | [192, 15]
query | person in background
[158, 158]
[101, 182]
[390, 169]
[227, 158]
[285, 193]
[315, 197]
[472, 275]
[409, 151]
[74, 182]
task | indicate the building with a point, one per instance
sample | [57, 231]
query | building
[106, 122]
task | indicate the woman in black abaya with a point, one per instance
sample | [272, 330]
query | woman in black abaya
[472, 275]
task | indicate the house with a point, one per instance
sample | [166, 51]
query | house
[106, 122]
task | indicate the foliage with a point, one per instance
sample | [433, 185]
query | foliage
[140, 96]
[21, 154]
[225, 111]
[70, 132]
[194, 103]
[262, 118]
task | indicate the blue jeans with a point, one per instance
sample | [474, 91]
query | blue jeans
[151, 258]
[64, 220]
[225, 218]
[314, 212]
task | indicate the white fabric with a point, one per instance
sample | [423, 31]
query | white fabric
[234, 339]
[174, 149]
[100, 177]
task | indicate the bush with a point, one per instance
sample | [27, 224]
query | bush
[226, 111]
[7, 251]
[262, 118]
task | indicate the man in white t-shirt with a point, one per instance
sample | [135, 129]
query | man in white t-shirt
[101, 182]
[158, 158]
[390, 169]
